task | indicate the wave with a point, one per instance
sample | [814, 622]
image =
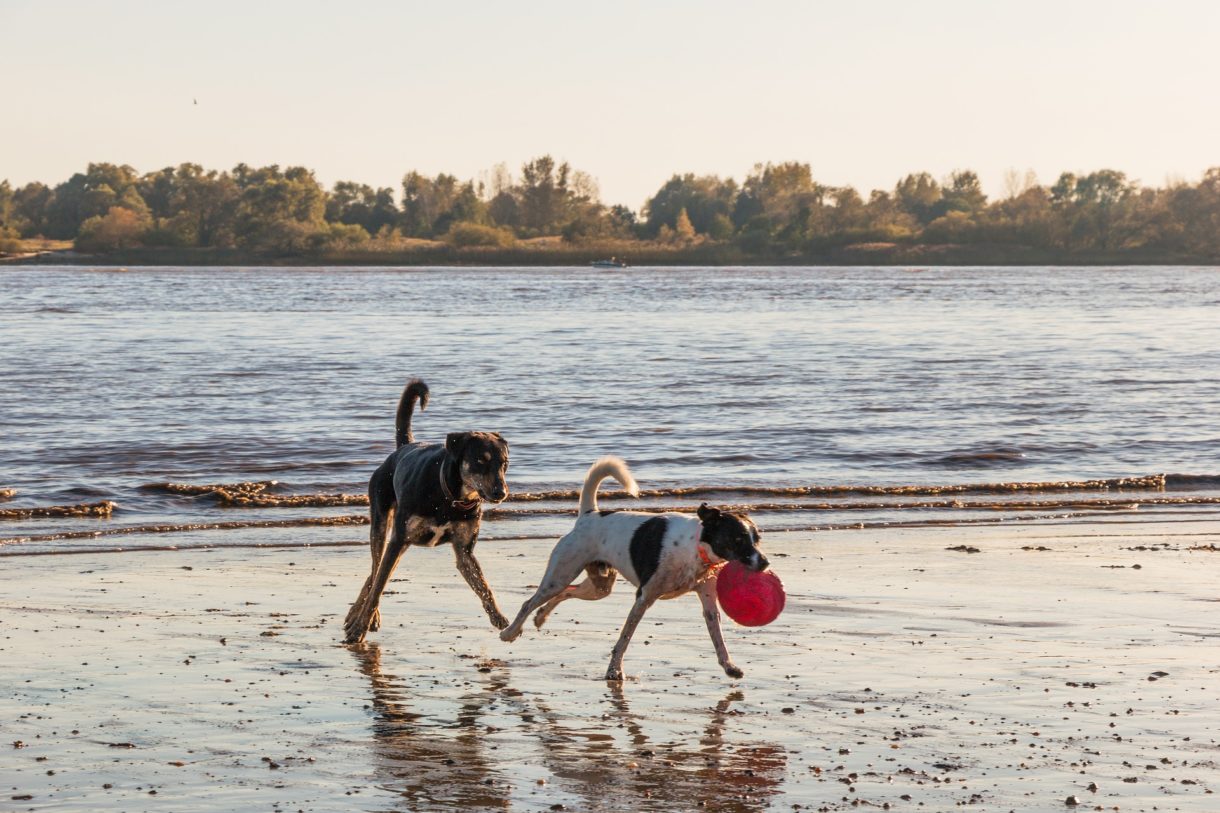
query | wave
[978, 460]
[1098, 504]
[1012, 509]
[257, 494]
[1185, 481]
[104, 509]
[254, 495]
[1154, 482]
[171, 528]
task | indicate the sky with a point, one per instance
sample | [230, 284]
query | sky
[629, 92]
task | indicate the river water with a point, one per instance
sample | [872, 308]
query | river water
[757, 380]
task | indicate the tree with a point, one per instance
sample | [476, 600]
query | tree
[431, 205]
[1196, 213]
[8, 207]
[9, 229]
[721, 228]
[118, 229]
[918, 195]
[962, 193]
[543, 195]
[683, 228]
[361, 205]
[91, 194]
[31, 206]
[204, 206]
[1091, 208]
[703, 197]
[278, 211]
[787, 198]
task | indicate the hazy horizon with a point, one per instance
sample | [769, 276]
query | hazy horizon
[630, 94]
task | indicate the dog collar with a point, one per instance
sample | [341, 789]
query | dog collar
[708, 564]
[461, 505]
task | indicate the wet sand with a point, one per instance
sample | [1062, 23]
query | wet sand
[902, 676]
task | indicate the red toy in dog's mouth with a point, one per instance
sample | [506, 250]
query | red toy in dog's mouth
[750, 598]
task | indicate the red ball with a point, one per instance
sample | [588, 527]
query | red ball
[749, 597]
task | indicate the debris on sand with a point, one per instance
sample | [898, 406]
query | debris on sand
[964, 549]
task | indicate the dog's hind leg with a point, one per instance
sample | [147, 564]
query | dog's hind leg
[468, 566]
[642, 602]
[597, 585]
[711, 615]
[560, 571]
[378, 533]
[381, 514]
[358, 621]
[378, 536]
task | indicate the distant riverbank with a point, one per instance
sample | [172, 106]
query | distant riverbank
[433, 253]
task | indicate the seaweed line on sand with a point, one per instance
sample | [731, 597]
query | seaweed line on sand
[105, 508]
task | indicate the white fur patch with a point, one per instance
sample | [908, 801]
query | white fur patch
[425, 534]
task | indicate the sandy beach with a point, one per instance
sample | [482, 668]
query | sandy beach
[902, 676]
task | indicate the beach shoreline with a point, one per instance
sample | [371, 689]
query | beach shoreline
[900, 673]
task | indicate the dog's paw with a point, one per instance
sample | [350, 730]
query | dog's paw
[375, 621]
[355, 630]
[540, 617]
[734, 671]
[498, 620]
[510, 635]
[614, 675]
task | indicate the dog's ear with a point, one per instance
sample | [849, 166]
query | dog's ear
[708, 514]
[455, 443]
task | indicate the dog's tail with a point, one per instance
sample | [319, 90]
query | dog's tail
[415, 390]
[614, 467]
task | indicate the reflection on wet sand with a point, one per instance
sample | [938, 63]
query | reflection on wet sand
[431, 763]
[701, 771]
[597, 759]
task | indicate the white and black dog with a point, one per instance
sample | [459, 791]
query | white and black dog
[663, 555]
[432, 493]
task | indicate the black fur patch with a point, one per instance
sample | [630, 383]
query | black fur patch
[646, 548]
[605, 512]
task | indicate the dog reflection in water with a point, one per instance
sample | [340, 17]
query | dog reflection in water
[715, 772]
[612, 759]
[433, 766]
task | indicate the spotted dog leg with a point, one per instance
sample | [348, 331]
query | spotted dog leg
[711, 614]
[642, 602]
[468, 566]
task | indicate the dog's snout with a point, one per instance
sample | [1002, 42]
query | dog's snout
[499, 495]
[759, 562]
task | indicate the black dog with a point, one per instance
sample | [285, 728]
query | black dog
[432, 494]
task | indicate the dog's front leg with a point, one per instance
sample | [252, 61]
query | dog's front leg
[468, 566]
[711, 614]
[642, 603]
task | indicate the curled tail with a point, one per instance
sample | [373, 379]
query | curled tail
[614, 467]
[415, 390]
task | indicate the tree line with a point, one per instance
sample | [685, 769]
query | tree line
[778, 210]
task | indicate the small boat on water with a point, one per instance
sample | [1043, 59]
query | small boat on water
[610, 263]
